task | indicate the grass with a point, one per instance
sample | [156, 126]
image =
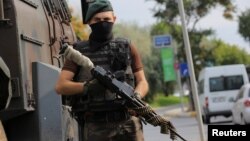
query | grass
[161, 100]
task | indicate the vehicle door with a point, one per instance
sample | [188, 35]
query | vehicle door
[238, 105]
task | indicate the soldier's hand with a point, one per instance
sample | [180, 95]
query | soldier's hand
[137, 95]
[132, 112]
[93, 86]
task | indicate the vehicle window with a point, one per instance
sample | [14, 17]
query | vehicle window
[225, 83]
[201, 87]
[216, 84]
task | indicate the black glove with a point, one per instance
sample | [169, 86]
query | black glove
[93, 86]
[137, 95]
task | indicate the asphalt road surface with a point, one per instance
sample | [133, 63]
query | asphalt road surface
[187, 127]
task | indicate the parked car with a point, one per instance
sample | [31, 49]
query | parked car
[241, 106]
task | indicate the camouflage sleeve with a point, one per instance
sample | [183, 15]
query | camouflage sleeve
[136, 63]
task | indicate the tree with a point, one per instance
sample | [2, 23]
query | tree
[195, 10]
[159, 29]
[152, 65]
[244, 22]
[138, 35]
[167, 12]
[81, 30]
[225, 54]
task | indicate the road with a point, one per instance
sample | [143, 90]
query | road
[186, 127]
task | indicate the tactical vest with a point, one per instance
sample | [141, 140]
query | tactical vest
[114, 57]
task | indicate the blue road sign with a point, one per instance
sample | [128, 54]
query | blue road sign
[184, 70]
[161, 41]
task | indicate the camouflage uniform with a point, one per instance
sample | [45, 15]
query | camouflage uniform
[127, 130]
[104, 114]
[105, 118]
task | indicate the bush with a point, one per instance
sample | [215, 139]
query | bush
[161, 100]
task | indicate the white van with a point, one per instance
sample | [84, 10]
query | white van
[216, 86]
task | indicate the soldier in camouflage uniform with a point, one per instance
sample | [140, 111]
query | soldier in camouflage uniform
[105, 116]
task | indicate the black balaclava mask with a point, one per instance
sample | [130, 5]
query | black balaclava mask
[101, 33]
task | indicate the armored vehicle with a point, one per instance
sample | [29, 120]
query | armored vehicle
[31, 34]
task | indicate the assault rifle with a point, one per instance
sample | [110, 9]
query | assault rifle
[133, 102]
[123, 89]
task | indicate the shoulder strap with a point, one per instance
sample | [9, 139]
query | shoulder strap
[81, 45]
[124, 41]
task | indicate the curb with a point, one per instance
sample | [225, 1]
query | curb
[179, 113]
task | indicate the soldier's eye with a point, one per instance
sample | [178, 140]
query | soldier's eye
[97, 19]
[107, 19]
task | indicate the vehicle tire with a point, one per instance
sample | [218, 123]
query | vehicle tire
[233, 120]
[242, 120]
[206, 119]
[203, 118]
[247, 123]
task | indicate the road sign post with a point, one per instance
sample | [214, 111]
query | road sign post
[161, 41]
[184, 70]
[191, 68]
[164, 43]
[167, 56]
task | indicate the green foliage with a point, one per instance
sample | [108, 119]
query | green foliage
[201, 50]
[205, 52]
[244, 22]
[153, 72]
[150, 58]
[194, 10]
[138, 35]
[81, 30]
[162, 100]
[167, 10]
[175, 31]
[200, 54]
[229, 54]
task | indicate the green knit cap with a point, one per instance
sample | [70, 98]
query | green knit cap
[96, 7]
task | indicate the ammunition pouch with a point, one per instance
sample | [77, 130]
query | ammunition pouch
[114, 57]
